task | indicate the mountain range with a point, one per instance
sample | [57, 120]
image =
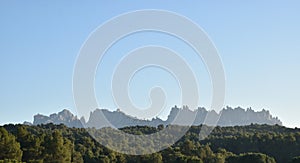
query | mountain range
[227, 117]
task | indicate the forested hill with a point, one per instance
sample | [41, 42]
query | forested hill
[228, 117]
[58, 144]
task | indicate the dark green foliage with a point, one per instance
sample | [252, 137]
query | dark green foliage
[296, 159]
[276, 141]
[250, 158]
[57, 143]
[58, 149]
[9, 147]
[10, 161]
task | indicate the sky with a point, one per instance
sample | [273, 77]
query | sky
[258, 43]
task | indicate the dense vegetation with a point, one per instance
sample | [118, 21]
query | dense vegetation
[58, 144]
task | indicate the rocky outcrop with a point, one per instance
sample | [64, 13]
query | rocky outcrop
[118, 119]
[241, 117]
[63, 117]
[179, 116]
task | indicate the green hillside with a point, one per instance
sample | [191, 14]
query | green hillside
[58, 144]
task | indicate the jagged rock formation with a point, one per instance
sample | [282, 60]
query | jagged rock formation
[241, 117]
[227, 117]
[118, 119]
[64, 117]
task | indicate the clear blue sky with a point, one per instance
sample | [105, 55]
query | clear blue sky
[258, 42]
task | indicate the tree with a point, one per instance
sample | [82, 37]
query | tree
[77, 157]
[296, 159]
[188, 147]
[250, 158]
[9, 147]
[30, 145]
[58, 149]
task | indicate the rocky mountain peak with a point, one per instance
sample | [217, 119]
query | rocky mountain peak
[103, 118]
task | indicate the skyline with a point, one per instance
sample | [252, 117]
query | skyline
[258, 43]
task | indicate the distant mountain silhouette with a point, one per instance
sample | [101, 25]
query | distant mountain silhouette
[227, 117]
[64, 117]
